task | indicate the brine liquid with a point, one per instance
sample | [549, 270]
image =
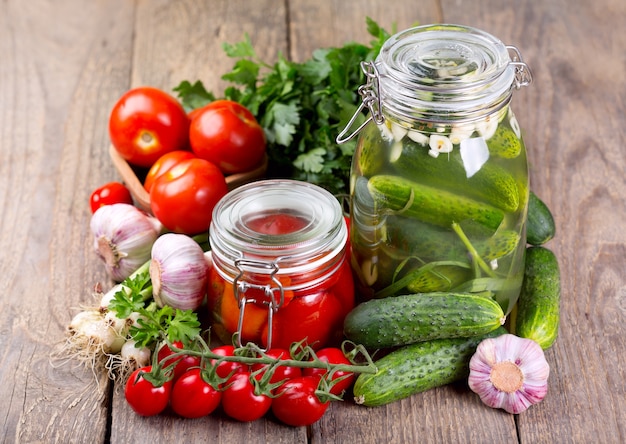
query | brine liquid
[396, 252]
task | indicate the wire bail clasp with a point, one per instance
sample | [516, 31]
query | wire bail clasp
[370, 100]
[273, 294]
[523, 74]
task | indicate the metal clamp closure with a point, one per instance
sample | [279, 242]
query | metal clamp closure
[370, 100]
[523, 74]
[270, 293]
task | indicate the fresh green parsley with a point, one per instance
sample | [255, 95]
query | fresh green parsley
[301, 106]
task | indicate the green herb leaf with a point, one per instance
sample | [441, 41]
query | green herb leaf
[193, 95]
[313, 161]
[241, 49]
[302, 106]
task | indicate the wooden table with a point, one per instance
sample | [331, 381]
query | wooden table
[63, 64]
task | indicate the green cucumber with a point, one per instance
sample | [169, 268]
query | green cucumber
[417, 368]
[440, 278]
[491, 184]
[537, 313]
[540, 227]
[428, 242]
[504, 143]
[428, 204]
[406, 319]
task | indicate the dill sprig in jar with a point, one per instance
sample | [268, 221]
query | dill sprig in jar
[280, 271]
[439, 179]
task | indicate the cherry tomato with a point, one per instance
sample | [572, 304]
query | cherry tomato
[164, 164]
[343, 287]
[146, 123]
[277, 224]
[193, 397]
[297, 404]
[240, 402]
[183, 362]
[228, 368]
[281, 372]
[183, 197]
[111, 193]
[143, 397]
[332, 355]
[226, 133]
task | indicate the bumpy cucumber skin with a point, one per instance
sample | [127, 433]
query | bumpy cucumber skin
[406, 319]
[504, 143]
[432, 205]
[538, 307]
[491, 184]
[540, 227]
[417, 368]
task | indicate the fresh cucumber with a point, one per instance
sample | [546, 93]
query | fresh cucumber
[406, 319]
[504, 143]
[429, 242]
[439, 207]
[540, 227]
[490, 184]
[417, 368]
[537, 313]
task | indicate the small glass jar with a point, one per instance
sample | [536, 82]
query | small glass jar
[439, 180]
[280, 273]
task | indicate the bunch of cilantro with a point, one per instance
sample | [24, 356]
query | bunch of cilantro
[301, 106]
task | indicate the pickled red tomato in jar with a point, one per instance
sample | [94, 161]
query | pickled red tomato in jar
[280, 272]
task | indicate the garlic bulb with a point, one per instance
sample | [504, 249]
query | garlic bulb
[509, 372]
[123, 238]
[179, 272]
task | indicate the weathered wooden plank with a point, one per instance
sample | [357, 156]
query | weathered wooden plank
[334, 22]
[59, 66]
[574, 129]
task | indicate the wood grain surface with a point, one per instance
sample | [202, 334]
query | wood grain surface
[64, 63]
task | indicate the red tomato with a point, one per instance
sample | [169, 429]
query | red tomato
[183, 362]
[297, 404]
[318, 317]
[182, 199]
[193, 397]
[228, 368]
[111, 193]
[164, 164]
[343, 288]
[239, 401]
[143, 397]
[227, 134]
[146, 123]
[332, 355]
[281, 372]
[277, 224]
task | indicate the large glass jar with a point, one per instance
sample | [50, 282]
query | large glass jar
[439, 180]
[280, 273]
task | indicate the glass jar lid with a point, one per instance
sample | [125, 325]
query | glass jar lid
[444, 72]
[295, 226]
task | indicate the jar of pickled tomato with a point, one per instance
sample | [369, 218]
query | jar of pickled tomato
[280, 271]
[439, 179]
